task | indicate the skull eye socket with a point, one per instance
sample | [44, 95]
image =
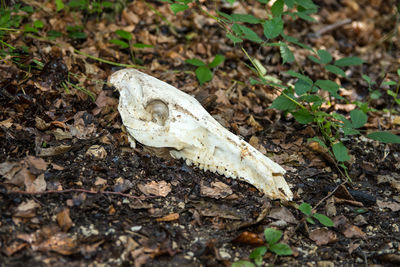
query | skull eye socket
[159, 111]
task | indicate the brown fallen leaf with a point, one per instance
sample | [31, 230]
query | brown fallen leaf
[60, 243]
[97, 152]
[36, 165]
[14, 247]
[217, 190]
[161, 188]
[26, 209]
[168, 218]
[64, 220]
[394, 206]
[53, 151]
[36, 185]
[323, 236]
[283, 214]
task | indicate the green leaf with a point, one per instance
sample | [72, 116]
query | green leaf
[59, 5]
[176, 8]
[218, 59]
[348, 61]
[335, 70]
[141, 45]
[203, 74]
[323, 219]
[249, 34]
[195, 62]
[228, 17]
[330, 86]
[340, 152]
[38, 24]
[233, 38]
[124, 34]
[29, 28]
[305, 208]
[283, 103]
[120, 43]
[301, 87]
[325, 56]
[231, 1]
[350, 131]
[303, 116]
[272, 235]
[53, 34]
[320, 142]
[242, 264]
[273, 27]
[277, 8]
[257, 255]
[310, 220]
[289, 3]
[281, 249]
[245, 18]
[286, 54]
[307, 4]
[376, 94]
[300, 76]
[358, 118]
[385, 137]
[314, 59]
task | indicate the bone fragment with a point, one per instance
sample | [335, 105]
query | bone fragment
[157, 114]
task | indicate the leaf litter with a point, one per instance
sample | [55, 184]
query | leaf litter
[60, 133]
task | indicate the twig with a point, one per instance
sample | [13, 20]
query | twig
[109, 62]
[74, 190]
[329, 28]
[329, 195]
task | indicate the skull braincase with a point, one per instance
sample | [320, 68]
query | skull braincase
[157, 114]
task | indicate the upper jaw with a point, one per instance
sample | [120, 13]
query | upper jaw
[192, 133]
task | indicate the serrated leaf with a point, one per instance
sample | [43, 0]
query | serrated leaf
[218, 59]
[273, 27]
[303, 116]
[385, 137]
[301, 87]
[286, 54]
[358, 118]
[310, 220]
[223, 14]
[176, 8]
[307, 4]
[277, 8]
[330, 86]
[323, 219]
[233, 38]
[348, 61]
[281, 249]
[335, 70]
[272, 235]
[247, 18]
[340, 152]
[124, 34]
[120, 43]
[282, 103]
[195, 61]
[203, 74]
[305, 208]
[350, 131]
[38, 24]
[249, 34]
[325, 56]
[305, 16]
[289, 3]
[300, 76]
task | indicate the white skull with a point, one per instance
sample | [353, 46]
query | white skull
[157, 114]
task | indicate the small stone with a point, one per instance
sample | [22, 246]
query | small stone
[224, 254]
[136, 228]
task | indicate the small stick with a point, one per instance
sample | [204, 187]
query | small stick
[329, 195]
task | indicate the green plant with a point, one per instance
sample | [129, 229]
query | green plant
[203, 70]
[304, 100]
[306, 209]
[394, 94]
[272, 237]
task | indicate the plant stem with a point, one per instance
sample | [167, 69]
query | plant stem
[109, 62]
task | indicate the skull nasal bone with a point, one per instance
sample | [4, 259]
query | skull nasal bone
[159, 111]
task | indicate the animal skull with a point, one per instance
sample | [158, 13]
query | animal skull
[159, 115]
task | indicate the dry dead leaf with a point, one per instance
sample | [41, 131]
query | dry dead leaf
[97, 152]
[53, 151]
[64, 220]
[36, 185]
[6, 123]
[36, 165]
[161, 188]
[283, 214]
[217, 190]
[26, 209]
[323, 236]
[394, 206]
[249, 238]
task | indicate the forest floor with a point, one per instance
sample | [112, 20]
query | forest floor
[74, 193]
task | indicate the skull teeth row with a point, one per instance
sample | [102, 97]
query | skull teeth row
[212, 168]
